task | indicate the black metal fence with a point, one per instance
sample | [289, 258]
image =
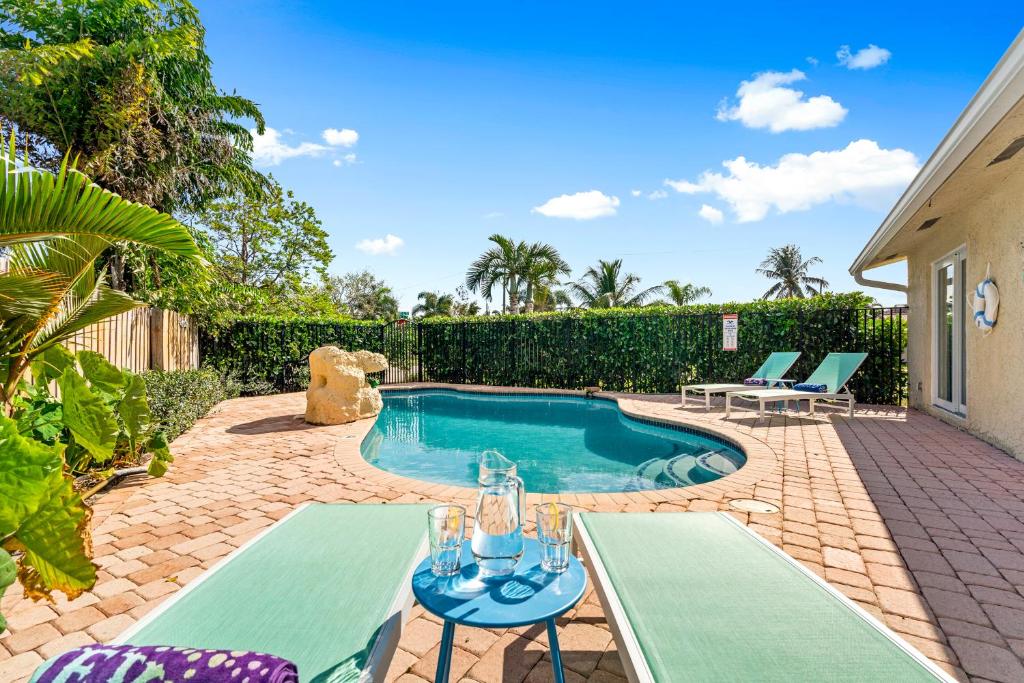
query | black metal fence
[645, 352]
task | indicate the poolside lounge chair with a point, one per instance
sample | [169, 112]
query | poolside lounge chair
[696, 596]
[834, 372]
[774, 368]
[329, 588]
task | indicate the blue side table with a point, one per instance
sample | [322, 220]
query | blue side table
[530, 596]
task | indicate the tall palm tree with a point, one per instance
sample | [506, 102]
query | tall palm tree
[433, 304]
[788, 266]
[53, 228]
[683, 294]
[518, 267]
[607, 287]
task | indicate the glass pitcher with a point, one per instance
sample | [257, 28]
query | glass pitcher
[500, 510]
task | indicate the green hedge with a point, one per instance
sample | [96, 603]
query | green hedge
[650, 350]
[178, 398]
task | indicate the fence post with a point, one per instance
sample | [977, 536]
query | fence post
[419, 352]
[462, 372]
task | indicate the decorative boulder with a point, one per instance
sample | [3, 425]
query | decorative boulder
[338, 391]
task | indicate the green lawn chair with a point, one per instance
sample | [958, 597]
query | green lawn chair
[834, 373]
[329, 587]
[774, 367]
[696, 596]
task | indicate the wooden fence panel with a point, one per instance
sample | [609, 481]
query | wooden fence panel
[143, 339]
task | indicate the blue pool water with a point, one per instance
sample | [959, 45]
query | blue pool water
[561, 444]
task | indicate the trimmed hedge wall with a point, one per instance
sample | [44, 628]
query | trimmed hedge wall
[649, 350]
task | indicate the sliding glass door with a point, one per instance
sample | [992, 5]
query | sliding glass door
[949, 337]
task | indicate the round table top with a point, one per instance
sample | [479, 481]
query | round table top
[529, 596]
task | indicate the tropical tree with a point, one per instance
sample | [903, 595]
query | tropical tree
[607, 287]
[683, 294]
[53, 228]
[267, 248]
[433, 304]
[126, 87]
[363, 296]
[518, 267]
[788, 266]
[550, 299]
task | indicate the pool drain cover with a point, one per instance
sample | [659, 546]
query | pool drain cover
[753, 505]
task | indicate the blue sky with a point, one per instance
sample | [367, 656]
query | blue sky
[441, 123]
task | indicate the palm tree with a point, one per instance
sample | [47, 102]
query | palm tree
[548, 299]
[606, 287]
[53, 228]
[518, 267]
[787, 265]
[683, 294]
[433, 304]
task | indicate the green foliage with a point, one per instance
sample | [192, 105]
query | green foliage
[787, 266]
[54, 228]
[8, 575]
[101, 419]
[432, 305]
[606, 286]
[518, 268]
[42, 520]
[648, 349]
[180, 397]
[127, 84]
[363, 296]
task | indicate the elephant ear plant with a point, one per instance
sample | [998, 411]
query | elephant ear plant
[53, 227]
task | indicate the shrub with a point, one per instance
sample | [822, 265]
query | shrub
[180, 397]
[650, 349]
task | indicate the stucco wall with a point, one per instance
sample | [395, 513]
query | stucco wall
[992, 227]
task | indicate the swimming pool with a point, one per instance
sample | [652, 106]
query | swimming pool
[560, 443]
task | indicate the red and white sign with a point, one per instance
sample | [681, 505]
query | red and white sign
[730, 331]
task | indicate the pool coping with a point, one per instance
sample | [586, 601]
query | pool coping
[761, 458]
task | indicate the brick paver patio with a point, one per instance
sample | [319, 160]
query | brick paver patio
[920, 524]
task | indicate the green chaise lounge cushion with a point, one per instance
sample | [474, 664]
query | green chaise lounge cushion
[320, 588]
[705, 599]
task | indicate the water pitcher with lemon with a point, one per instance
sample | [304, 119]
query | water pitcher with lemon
[500, 509]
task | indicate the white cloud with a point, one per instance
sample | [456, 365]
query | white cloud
[813, 61]
[861, 173]
[388, 244]
[636, 193]
[346, 137]
[657, 194]
[865, 58]
[350, 158]
[711, 214]
[336, 162]
[269, 150]
[581, 206]
[492, 215]
[764, 102]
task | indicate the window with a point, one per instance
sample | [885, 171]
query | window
[949, 336]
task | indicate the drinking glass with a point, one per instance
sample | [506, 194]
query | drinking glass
[554, 532]
[446, 527]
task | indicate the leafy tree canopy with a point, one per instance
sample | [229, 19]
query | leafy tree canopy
[787, 266]
[363, 296]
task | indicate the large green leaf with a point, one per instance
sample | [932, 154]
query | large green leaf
[8, 573]
[55, 542]
[161, 455]
[28, 469]
[51, 364]
[101, 373]
[134, 407]
[89, 418]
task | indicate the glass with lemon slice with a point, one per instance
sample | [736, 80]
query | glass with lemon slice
[554, 532]
[446, 527]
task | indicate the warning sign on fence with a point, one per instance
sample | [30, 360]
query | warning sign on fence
[730, 331]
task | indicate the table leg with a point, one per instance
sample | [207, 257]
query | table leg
[444, 653]
[556, 653]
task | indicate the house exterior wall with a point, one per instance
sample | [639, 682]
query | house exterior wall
[992, 227]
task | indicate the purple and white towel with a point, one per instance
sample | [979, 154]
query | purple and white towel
[755, 382]
[110, 663]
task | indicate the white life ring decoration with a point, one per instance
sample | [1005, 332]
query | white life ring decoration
[985, 303]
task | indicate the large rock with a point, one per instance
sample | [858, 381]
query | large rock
[338, 391]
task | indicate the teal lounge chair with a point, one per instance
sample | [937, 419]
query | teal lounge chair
[329, 587]
[696, 596]
[774, 367]
[834, 372]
